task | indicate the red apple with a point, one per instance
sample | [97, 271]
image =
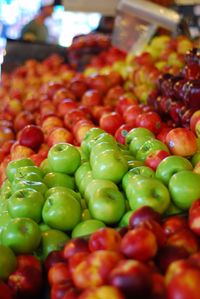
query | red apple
[26, 281]
[194, 217]
[149, 120]
[133, 278]
[74, 246]
[143, 214]
[105, 239]
[25, 260]
[154, 159]
[31, 136]
[110, 122]
[193, 120]
[102, 292]
[6, 134]
[65, 106]
[94, 270]
[23, 119]
[5, 291]
[91, 98]
[59, 273]
[99, 110]
[184, 285]
[124, 102]
[131, 113]
[140, 244]
[184, 238]
[169, 254]
[53, 258]
[121, 132]
[182, 142]
[113, 95]
[173, 224]
[59, 135]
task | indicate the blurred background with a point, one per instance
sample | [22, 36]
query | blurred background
[71, 18]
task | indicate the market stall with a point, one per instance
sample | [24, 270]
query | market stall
[100, 166]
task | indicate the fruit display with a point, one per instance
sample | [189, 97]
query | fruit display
[92, 162]
[152, 258]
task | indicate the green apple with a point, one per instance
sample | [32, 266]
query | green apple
[8, 263]
[139, 170]
[149, 147]
[86, 228]
[137, 142]
[22, 171]
[4, 220]
[24, 184]
[61, 211]
[110, 165]
[30, 176]
[195, 158]
[60, 189]
[15, 164]
[85, 215]
[26, 203]
[96, 185]
[22, 235]
[107, 205]
[51, 240]
[45, 167]
[125, 219]
[100, 148]
[171, 165]
[64, 157]
[184, 187]
[89, 139]
[104, 137]
[59, 179]
[44, 227]
[144, 191]
[6, 190]
[138, 132]
[83, 176]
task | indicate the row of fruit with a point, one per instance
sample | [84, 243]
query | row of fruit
[50, 192]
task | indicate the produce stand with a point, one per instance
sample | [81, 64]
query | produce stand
[140, 80]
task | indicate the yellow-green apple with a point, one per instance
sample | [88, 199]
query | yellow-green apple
[52, 240]
[53, 190]
[61, 211]
[29, 183]
[89, 139]
[96, 185]
[64, 157]
[154, 194]
[110, 165]
[171, 165]
[22, 235]
[55, 179]
[8, 262]
[149, 147]
[87, 227]
[137, 132]
[184, 188]
[83, 176]
[26, 203]
[14, 165]
[107, 205]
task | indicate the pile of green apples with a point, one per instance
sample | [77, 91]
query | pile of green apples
[77, 190]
